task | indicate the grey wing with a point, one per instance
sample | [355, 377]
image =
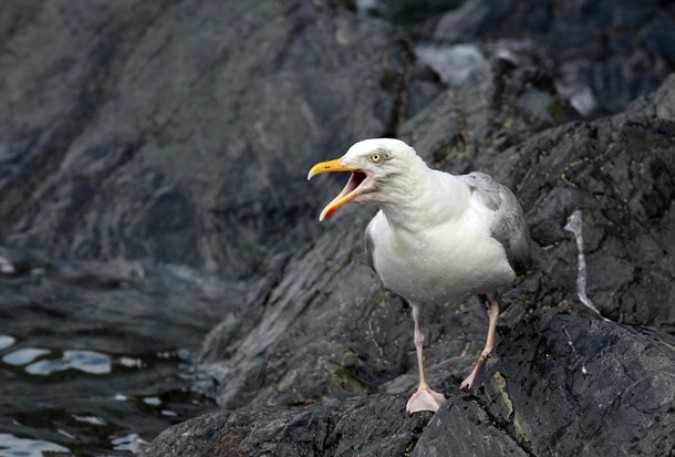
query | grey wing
[509, 226]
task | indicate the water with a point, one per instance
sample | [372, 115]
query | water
[95, 358]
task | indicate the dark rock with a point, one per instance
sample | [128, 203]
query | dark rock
[605, 53]
[564, 385]
[369, 426]
[133, 133]
[462, 427]
[495, 102]
[620, 172]
[407, 12]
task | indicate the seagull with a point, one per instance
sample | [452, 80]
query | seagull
[437, 238]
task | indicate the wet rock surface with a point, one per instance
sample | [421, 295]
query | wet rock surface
[95, 356]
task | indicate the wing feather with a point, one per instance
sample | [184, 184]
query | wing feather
[508, 226]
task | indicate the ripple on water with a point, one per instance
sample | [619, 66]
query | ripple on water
[86, 361]
[130, 362]
[131, 442]
[6, 266]
[6, 341]
[12, 446]
[93, 420]
[152, 401]
[24, 356]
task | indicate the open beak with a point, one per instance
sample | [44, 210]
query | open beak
[350, 191]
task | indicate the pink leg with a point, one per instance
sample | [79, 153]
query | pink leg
[424, 399]
[493, 315]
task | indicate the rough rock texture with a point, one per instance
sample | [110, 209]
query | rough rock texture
[603, 53]
[564, 385]
[620, 172]
[324, 328]
[149, 135]
[337, 428]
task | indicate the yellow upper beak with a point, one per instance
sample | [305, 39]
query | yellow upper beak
[326, 167]
[329, 167]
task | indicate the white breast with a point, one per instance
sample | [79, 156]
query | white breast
[444, 263]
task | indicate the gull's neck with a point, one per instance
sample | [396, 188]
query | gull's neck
[424, 198]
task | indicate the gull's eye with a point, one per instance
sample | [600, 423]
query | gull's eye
[376, 157]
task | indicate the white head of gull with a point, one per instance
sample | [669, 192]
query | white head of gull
[437, 238]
